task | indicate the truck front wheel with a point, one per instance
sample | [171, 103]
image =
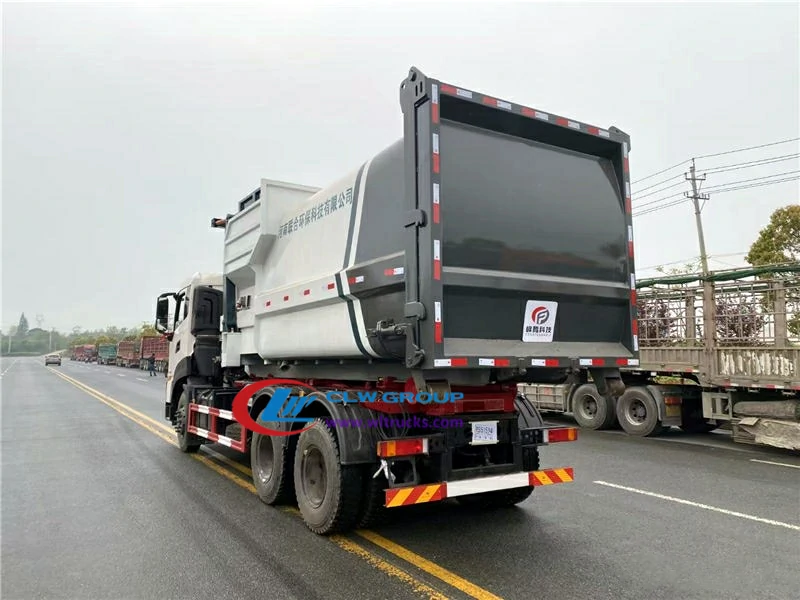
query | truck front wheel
[329, 494]
[271, 459]
[186, 441]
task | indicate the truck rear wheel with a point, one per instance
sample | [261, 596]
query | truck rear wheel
[591, 410]
[637, 413]
[187, 442]
[271, 460]
[329, 494]
[374, 509]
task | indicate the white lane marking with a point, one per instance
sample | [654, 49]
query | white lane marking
[8, 367]
[107, 371]
[141, 379]
[698, 505]
[780, 464]
[120, 375]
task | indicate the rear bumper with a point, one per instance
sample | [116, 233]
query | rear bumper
[436, 492]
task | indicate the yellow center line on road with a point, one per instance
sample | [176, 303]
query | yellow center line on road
[166, 433]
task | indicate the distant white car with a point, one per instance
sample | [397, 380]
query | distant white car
[52, 359]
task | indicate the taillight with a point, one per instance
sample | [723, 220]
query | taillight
[566, 434]
[407, 447]
[672, 400]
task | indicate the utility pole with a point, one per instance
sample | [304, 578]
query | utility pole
[696, 197]
[709, 307]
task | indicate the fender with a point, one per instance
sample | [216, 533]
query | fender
[357, 445]
[183, 370]
[529, 415]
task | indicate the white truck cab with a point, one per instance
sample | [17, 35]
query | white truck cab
[176, 314]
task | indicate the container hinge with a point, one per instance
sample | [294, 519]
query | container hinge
[416, 218]
[414, 310]
[415, 356]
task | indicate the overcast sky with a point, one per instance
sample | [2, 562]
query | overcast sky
[126, 128]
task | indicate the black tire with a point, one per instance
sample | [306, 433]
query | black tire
[187, 442]
[637, 413]
[271, 461]
[373, 510]
[591, 410]
[329, 494]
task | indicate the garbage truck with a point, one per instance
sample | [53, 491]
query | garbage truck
[364, 342]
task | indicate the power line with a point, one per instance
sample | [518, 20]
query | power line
[755, 185]
[750, 163]
[732, 189]
[639, 196]
[752, 179]
[714, 189]
[659, 183]
[748, 148]
[660, 172]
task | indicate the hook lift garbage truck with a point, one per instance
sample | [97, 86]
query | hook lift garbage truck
[490, 246]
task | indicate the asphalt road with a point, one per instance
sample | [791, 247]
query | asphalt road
[97, 502]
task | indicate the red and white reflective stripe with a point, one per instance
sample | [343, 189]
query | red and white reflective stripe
[630, 240]
[494, 362]
[450, 362]
[215, 437]
[592, 362]
[393, 272]
[528, 112]
[435, 202]
[451, 89]
[536, 114]
[435, 103]
[498, 103]
[437, 259]
[352, 280]
[438, 333]
[768, 387]
[207, 410]
[628, 197]
[435, 142]
[635, 343]
[628, 362]
[330, 286]
[633, 281]
[545, 362]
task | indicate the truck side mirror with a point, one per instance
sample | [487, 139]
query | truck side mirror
[162, 313]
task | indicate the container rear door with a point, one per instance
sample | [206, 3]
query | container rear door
[531, 238]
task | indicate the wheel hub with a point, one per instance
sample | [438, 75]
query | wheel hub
[265, 457]
[315, 481]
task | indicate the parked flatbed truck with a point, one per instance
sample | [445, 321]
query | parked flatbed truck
[746, 375]
[491, 245]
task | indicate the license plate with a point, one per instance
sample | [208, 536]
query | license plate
[673, 411]
[484, 432]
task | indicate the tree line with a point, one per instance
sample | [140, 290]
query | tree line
[22, 340]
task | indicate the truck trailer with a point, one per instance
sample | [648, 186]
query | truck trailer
[491, 245]
[154, 344]
[107, 354]
[745, 376]
[128, 353]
